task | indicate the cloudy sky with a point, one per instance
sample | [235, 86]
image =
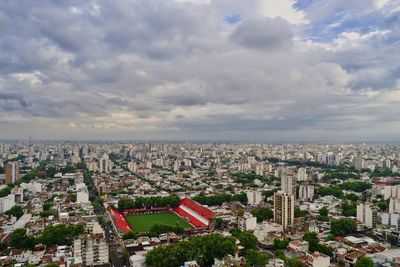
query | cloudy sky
[268, 70]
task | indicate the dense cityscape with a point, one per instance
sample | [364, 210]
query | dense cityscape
[199, 204]
[200, 133]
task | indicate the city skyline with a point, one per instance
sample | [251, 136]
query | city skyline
[190, 70]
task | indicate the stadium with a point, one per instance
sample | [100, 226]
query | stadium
[190, 215]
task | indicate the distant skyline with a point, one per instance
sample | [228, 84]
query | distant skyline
[227, 70]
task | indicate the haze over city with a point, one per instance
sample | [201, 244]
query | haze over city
[200, 70]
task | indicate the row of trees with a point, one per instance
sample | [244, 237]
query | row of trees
[219, 199]
[249, 177]
[204, 249]
[341, 175]
[61, 234]
[384, 172]
[141, 202]
[158, 229]
[337, 190]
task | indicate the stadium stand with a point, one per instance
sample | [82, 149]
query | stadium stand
[119, 220]
[198, 215]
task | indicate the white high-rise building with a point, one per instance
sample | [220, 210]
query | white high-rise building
[254, 197]
[284, 209]
[75, 159]
[302, 175]
[391, 191]
[105, 164]
[394, 205]
[288, 182]
[132, 166]
[359, 163]
[7, 203]
[92, 166]
[367, 215]
[306, 192]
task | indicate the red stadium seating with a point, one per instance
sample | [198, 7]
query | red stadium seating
[198, 210]
[201, 210]
[196, 223]
[119, 220]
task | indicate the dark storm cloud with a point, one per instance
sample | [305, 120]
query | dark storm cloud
[264, 33]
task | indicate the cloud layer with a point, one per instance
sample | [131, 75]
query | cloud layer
[166, 69]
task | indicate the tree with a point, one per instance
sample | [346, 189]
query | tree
[324, 211]
[47, 205]
[349, 209]
[300, 213]
[235, 232]
[356, 186]
[255, 258]
[61, 234]
[248, 240]
[312, 239]
[295, 263]
[19, 239]
[129, 235]
[203, 248]
[158, 229]
[262, 214]
[365, 262]
[383, 205]
[353, 197]
[52, 264]
[240, 213]
[392, 240]
[218, 222]
[281, 244]
[343, 227]
[15, 211]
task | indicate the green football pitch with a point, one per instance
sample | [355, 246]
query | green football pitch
[143, 222]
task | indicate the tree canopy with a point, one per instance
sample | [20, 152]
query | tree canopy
[255, 258]
[262, 213]
[343, 227]
[158, 228]
[248, 240]
[365, 262]
[15, 211]
[203, 248]
[140, 202]
[60, 234]
[219, 199]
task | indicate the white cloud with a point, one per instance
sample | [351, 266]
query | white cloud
[284, 9]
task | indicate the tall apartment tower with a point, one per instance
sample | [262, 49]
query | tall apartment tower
[367, 215]
[359, 162]
[284, 209]
[12, 172]
[91, 249]
[105, 164]
[288, 182]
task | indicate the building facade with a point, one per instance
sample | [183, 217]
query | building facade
[11, 172]
[284, 209]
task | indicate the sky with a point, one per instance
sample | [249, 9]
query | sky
[254, 70]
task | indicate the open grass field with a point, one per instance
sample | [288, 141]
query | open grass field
[143, 222]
